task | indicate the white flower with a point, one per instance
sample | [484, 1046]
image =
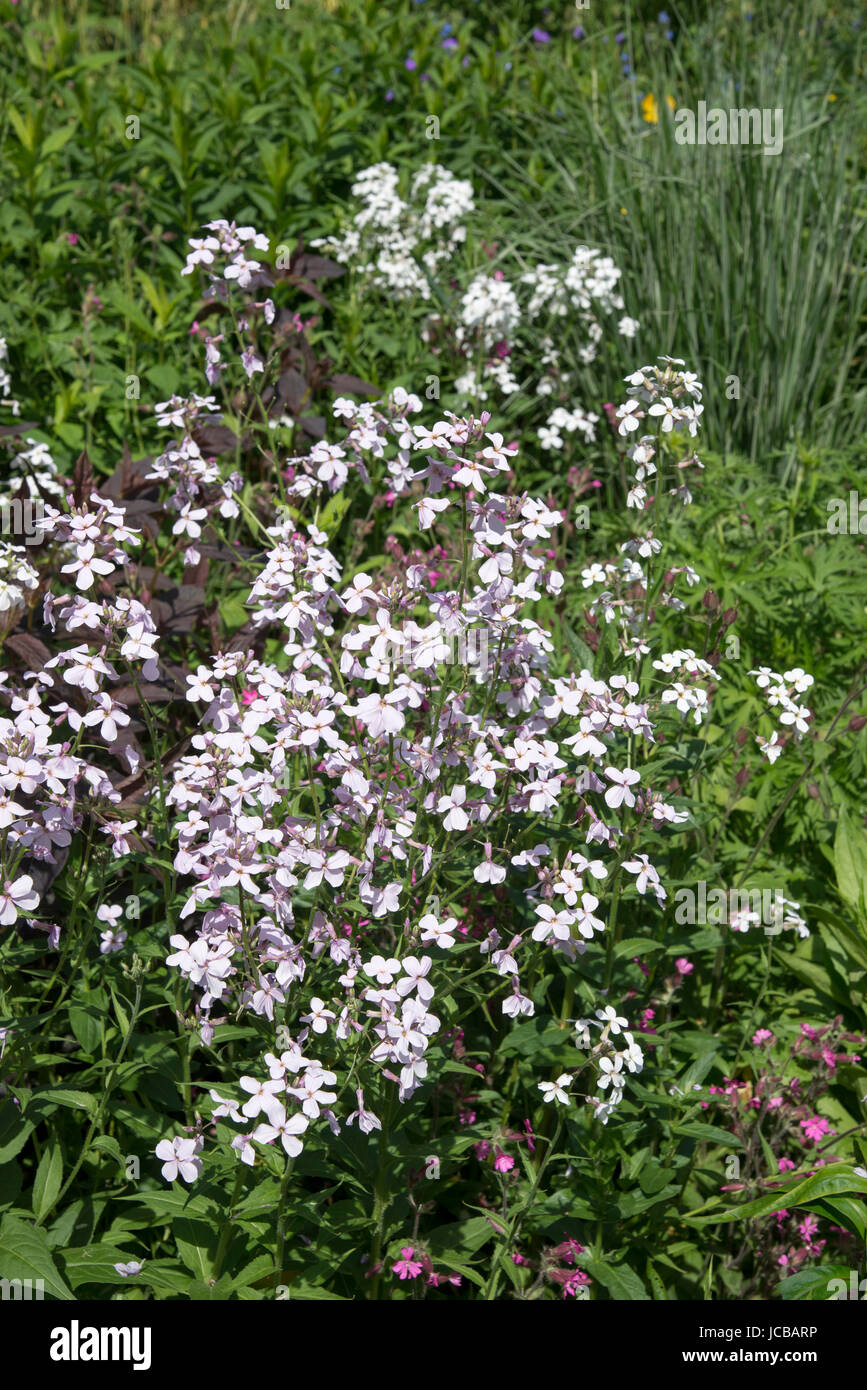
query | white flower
[179, 1157]
[555, 1090]
[17, 896]
[619, 793]
[609, 1015]
[456, 817]
[287, 1129]
[437, 933]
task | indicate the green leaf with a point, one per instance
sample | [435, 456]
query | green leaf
[850, 860]
[14, 1130]
[835, 1180]
[59, 1095]
[56, 140]
[808, 1282]
[24, 1254]
[459, 1239]
[94, 1264]
[107, 1144]
[620, 1281]
[48, 1180]
[86, 1024]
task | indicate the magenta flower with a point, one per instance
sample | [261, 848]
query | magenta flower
[816, 1128]
[762, 1036]
[407, 1267]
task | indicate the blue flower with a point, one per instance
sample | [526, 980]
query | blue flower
[541, 36]
[663, 17]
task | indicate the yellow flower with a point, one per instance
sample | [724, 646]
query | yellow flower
[832, 96]
[650, 110]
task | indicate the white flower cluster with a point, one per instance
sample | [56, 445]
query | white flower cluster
[33, 465]
[614, 1061]
[17, 578]
[6, 397]
[780, 691]
[667, 393]
[33, 468]
[586, 291]
[490, 312]
[396, 243]
[570, 421]
[783, 914]
[684, 694]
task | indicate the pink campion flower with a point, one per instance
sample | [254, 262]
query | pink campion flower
[816, 1128]
[504, 1163]
[577, 1281]
[407, 1267]
[785, 1165]
[17, 896]
[762, 1036]
[180, 1158]
[683, 966]
[808, 1228]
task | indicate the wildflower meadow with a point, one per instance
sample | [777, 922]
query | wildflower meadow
[433, 611]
